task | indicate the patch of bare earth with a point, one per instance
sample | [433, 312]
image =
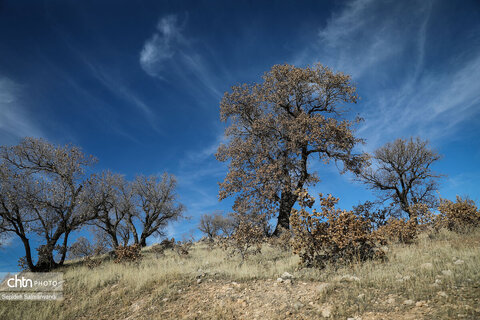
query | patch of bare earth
[270, 299]
[258, 299]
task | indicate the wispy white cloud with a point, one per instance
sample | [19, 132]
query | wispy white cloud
[368, 33]
[168, 54]
[383, 45]
[116, 85]
[119, 89]
[161, 46]
[198, 173]
[15, 121]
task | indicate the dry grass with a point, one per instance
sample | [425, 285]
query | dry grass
[165, 287]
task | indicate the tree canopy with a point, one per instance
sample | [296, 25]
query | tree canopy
[276, 127]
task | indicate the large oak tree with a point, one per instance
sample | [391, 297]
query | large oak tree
[276, 127]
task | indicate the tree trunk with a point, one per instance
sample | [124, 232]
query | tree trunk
[134, 230]
[45, 258]
[287, 201]
[28, 253]
[113, 235]
[64, 252]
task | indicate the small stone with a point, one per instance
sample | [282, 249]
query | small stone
[165, 299]
[426, 266]
[298, 305]
[349, 278]
[438, 282]
[288, 313]
[288, 281]
[442, 294]
[322, 287]
[326, 311]
[199, 281]
[447, 273]
[458, 262]
[242, 302]
[420, 303]
[287, 275]
[279, 280]
[408, 302]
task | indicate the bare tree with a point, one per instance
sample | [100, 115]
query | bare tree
[80, 249]
[111, 197]
[209, 225]
[42, 192]
[157, 205]
[401, 172]
[215, 224]
[276, 127]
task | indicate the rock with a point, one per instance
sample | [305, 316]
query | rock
[442, 294]
[298, 305]
[390, 300]
[361, 296]
[420, 304]
[408, 302]
[405, 278]
[458, 262]
[426, 266]
[242, 302]
[349, 278]
[199, 281]
[326, 311]
[438, 282]
[447, 273]
[288, 313]
[288, 281]
[287, 275]
[322, 287]
[279, 280]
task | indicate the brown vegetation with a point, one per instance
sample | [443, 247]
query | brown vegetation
[275, 127]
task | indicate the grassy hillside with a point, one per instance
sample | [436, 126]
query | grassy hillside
[436, 278]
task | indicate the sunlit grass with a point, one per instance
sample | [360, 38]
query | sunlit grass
[117, 290]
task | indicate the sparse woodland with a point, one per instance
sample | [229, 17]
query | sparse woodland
[282, 252]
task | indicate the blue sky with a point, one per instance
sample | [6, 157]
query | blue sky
[138, 83]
